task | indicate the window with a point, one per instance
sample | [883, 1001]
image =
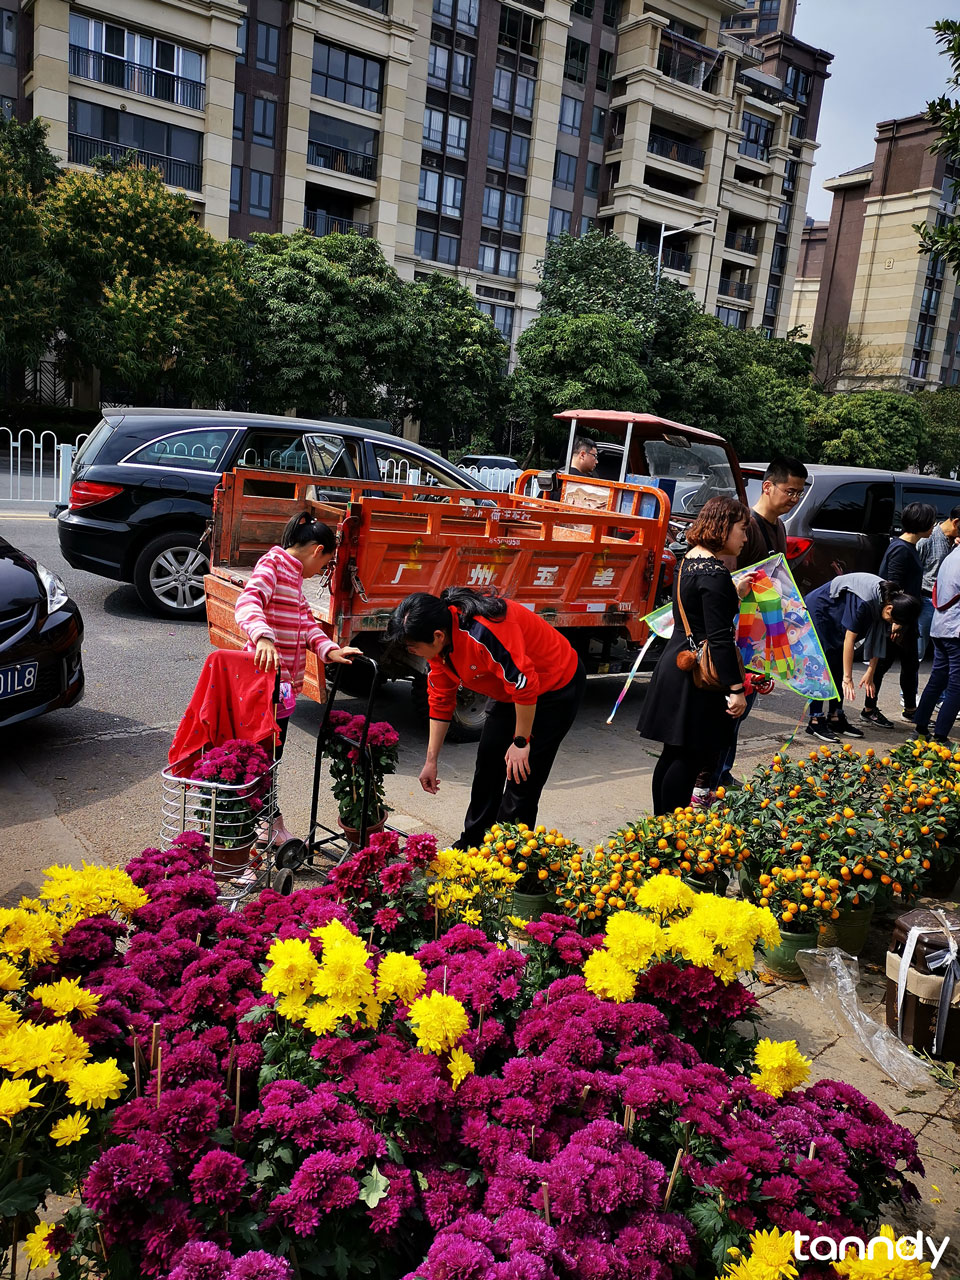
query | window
[943, 499]
[110, 54]
[512, 212]
[236, 179]
[931, 299]
[503, 89]
[242, 40]
[239, 107]
[524, 95]
[500, 262]
[346, 77]
[181, 148]
[611, 12]
[398, 466]
[331, 455]
[779, 260]
[463, 14]
[519, 153]
[924, 336]
[492, 206]
[274, 451]
[798, 127]
[773, 299]
[457, 129]
[452, 202]
[438, 64]
[564, 171]
[587, 224]
[502, 318]
[264, 121]
[199, 450]
[462, 78]
[509, 261]
[8, 37]
[425, 244]
[584, 8]
[732, 317]
[797, 84]
[571, 113]
[497, 148]
[604, 70]
[591, 182]
[519, 31]
[268, 47]
[557, 223]
[758, 134]
[261, 193]
[576, 60]
[487, 258]
[433, 129]
[857, 508]
[428, 195]
[598, 124]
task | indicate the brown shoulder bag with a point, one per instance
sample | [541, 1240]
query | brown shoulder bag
[697, 657]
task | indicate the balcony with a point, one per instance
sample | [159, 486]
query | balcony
[326, 156]
[735, 289]
[659, 144]
[87, 64]
[175, 173]
[688, 62]
[740, 241]
[324, 224]
[672, 260]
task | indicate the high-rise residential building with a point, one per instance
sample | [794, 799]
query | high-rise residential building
[463, 134]
[870, 302]
[762, 17]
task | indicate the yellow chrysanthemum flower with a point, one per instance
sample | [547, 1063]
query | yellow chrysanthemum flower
[665, 896]
[67, 996]
[17, 1096]
[438, 1022]
[400, 977]
[607, 978]
[461, 1066]
[883, 1266]
[770, 1258]
[11, 979]
[633, 940]
[93, 1084]
[70, 1129]
[292, 967]
[36, 1246]
[781, 1067]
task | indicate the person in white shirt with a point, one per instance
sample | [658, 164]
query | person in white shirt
[945, 633]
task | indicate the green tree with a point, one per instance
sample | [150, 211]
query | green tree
[149, 298]
[866, 429]
[24, 151]
[940, 443]
[576, 361]
[334, 331]
[455, 377]
[944, 114]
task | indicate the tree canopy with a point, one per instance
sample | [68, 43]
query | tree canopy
[944, 113]
[866, 429]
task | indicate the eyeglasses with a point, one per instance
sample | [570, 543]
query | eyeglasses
[794, 494]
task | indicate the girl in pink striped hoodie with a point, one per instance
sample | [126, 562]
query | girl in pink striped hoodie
[273, 613]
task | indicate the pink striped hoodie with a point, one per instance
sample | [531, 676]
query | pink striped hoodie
[272, 606]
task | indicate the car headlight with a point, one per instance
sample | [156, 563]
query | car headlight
[53, 585]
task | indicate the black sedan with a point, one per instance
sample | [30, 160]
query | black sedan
[41, 633]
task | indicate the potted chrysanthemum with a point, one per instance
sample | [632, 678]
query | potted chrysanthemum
[346, 770]
[233, 782]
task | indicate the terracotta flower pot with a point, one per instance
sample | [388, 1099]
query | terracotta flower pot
[781, 961]
[529, 906]
[849, 932]
[353, 833]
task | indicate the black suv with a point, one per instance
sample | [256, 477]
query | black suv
[142, 485]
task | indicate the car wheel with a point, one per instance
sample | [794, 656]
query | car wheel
[169, 575]
[468, 715]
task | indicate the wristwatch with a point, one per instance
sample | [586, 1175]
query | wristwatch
[521, 742]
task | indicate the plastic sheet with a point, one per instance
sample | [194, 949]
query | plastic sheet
[833, 977]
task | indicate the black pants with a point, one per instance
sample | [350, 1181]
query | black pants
[834, 659]
[676, 773]
[492, 797]
[908, 651]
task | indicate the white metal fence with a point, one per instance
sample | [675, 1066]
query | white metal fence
[35, 467]
[500, 479]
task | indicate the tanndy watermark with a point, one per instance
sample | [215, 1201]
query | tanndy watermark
[824, 1249]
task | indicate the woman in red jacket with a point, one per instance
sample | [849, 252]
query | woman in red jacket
[496, 647]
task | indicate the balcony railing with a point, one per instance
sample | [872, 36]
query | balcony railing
[683, 152]
[175, 173]
[87, 64]
[354, 163]
[672, 260]
[324, 224]
[735, 289]
[688, 61]
[740, 241]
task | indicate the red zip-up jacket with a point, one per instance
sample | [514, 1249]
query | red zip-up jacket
[515, 659]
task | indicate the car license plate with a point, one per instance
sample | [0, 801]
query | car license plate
[19, 679]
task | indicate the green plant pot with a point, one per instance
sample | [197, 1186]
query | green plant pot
[530, 906]
[781, 961]
[713, 882]
[941, 880]
[849, 932]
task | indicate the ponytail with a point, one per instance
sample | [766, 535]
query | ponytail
[470, 603]
[303, 529]
[421, 616]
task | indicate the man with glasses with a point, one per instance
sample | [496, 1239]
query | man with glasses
[782, 488]
[584, 459]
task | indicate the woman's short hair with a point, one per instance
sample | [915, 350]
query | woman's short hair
[711, 529]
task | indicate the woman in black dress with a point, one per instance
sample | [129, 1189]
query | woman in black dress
[693, 724]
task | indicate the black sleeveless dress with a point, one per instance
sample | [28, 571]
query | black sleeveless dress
[675, 711]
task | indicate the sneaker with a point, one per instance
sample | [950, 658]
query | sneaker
[909, 714]
[843, 726]
[820, 729]
[873, 715]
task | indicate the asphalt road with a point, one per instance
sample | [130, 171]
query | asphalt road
[85, 782]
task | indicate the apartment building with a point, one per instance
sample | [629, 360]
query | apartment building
[762, 18]
[463, 134]
[861, 273]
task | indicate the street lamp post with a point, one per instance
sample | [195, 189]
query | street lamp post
[701, 222]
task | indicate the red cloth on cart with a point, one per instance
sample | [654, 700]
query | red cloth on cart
[232, 700]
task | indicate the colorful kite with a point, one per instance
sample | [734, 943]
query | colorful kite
[776, 635]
